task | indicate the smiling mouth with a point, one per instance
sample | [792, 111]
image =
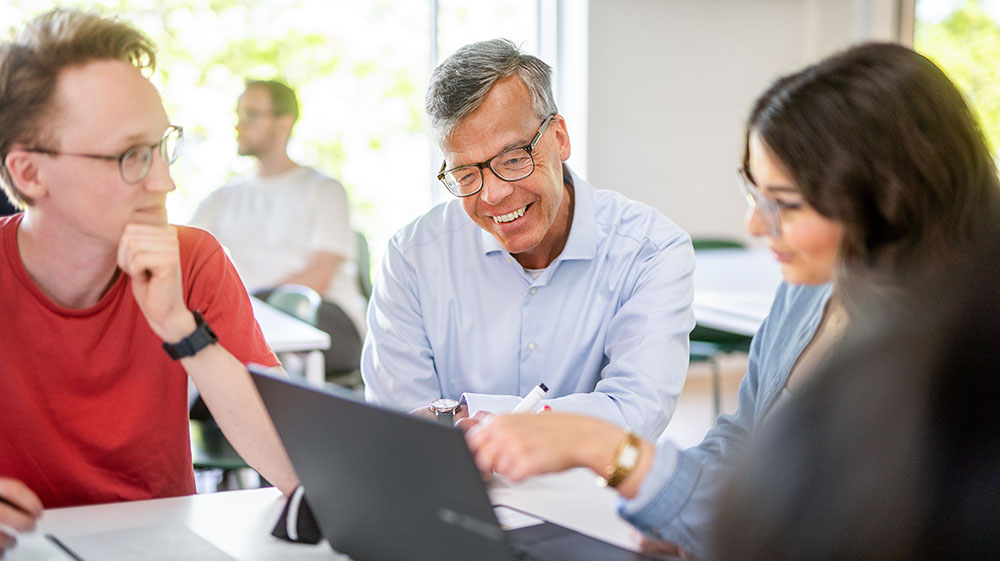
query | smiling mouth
[510, 217]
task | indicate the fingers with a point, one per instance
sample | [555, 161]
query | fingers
[19, 508]
[6, 542]
[148, 250]
[500, 444]
[21, 496]
[658, 547]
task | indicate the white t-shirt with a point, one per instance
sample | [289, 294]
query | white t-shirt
[270, 225]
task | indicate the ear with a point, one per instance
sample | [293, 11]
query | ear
[286, 122]
[28, 178]
[562, 136]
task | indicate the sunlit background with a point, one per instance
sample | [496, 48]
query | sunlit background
[361, 69]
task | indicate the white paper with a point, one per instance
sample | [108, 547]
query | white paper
[166, 542]
[511, 519]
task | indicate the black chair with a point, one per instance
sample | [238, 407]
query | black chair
[708, 344]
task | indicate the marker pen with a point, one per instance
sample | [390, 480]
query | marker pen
[529, 402]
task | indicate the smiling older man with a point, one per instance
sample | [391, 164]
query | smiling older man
[531, 275]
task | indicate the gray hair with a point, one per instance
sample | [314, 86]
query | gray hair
[460, 83]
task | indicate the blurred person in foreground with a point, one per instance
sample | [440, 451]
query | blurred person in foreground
[108, 308]
[893, 453]
[863, 172]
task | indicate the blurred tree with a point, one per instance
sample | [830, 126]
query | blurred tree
[366, 132]
[966, 45]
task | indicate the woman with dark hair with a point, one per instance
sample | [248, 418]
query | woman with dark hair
[863, 172]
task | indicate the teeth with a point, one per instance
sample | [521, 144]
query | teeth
[508, 217]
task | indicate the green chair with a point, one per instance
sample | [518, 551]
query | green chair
[296, 300]
[209, 448]
[211, 451]
[707, 344]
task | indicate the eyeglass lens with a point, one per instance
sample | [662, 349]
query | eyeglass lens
[138, 160]
[509, 166]
[766, 207]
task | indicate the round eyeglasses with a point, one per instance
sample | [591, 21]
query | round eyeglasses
[510, 165]
[135, 163]
[767, 208]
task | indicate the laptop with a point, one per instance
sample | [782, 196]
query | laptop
[387, 486]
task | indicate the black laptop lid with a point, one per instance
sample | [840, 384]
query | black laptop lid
[383, 485]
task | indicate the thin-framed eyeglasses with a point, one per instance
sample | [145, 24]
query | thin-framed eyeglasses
[767, 208]
[135, 163]
[511, 165]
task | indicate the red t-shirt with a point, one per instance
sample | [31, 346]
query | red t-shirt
[92, 409]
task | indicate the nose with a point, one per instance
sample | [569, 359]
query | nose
[755, 223]
[158, 179]
[494, 189]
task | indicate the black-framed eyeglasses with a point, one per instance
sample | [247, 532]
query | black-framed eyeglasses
[135, 163]
[768, 209]
[510, 165]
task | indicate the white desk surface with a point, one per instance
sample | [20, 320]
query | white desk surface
[285, 333]
[734, 288]
[240, 522]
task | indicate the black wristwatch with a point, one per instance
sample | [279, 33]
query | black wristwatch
[196, 341]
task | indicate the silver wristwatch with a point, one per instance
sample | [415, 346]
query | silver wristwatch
[444, 409]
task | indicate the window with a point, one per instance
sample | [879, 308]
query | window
[963, 38]
[360, 70]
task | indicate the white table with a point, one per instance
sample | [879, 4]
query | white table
[285, 333]
[240, 522]
[734, 288]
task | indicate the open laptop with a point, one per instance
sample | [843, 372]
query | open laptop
[387, 486]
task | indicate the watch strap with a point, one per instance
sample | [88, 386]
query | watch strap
[626, 458]
[201, 337]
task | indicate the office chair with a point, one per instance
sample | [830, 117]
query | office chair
[364, 261]
[707, 344]
[296, 300]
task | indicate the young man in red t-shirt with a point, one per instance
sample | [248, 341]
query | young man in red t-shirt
[95, 286]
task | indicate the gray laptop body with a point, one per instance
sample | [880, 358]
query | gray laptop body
[387, 486]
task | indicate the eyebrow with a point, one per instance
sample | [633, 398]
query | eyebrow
[139, 138]
[510, 146]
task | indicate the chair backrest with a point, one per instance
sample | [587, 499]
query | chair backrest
[703, 244]
[296, 300]
[364, 266]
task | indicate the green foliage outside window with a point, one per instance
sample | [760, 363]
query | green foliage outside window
[966, 45]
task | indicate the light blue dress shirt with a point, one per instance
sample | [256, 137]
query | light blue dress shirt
[605, 326]
[678, 497]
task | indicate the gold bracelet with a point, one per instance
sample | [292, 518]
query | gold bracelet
[626, 458]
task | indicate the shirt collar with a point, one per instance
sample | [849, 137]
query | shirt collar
[582, 242]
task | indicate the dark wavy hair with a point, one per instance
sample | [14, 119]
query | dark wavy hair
[878, 139]
[30, 66]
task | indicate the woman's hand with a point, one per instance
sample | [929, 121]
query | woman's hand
[518, 446]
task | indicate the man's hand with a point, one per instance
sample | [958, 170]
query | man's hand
[19, 509]
[150, 255]
[426, 412]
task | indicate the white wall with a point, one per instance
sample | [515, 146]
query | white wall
[671, 81]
